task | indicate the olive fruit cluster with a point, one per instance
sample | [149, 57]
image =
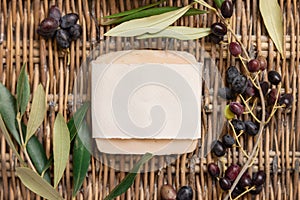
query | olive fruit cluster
[219, 29]
[253, 184]
[167, 192]
[63, 28]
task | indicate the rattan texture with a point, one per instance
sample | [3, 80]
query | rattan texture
[279, 152]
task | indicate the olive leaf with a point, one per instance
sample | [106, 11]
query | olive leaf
[219, 3]
[23, 91]
[179, 32]
[9, 140]
[61, 147]
[38, 157]
[77, 119]
[37, 113]
[132, 11]
[129, 178]
[272, 16]
[37, 184]
[81, 161]
[151, 12]
[8, 111]
[150, 24]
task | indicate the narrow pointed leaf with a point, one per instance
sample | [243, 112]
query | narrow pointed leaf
[37, 184]
[151, 12]
[129, 178]
[150, 24]
[61, 147]
[272, 16]
[37, 113]
[77, 119]
[81, 161]
[9, 112]
[132, 11]
[179, 32]
[23, 91]
[38, 156]
[9, 140]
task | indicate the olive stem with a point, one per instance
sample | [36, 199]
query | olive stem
[237, 139]
[253, 153]
[274, 109]
[24, 145]
[246, 191]
[250, 111]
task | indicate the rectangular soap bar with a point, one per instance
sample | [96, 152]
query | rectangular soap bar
[146, 101]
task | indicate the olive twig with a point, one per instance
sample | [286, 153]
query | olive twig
[249, 110]
[237, 139]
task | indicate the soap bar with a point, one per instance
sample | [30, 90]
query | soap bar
[146, 101]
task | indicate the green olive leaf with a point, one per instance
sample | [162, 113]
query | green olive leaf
[37, 113]
[219, 3]
[151, 12]
[179, 32]
[37, 184]
[81, 161]
[61, 147]
[129, 178]
[77, 119]
[9, 141]
[9, 112]
[132, 11]
[38, 156]
[150, 24]
[272, 16]
[23, 91]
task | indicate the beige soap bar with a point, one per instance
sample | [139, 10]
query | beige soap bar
[146, 101]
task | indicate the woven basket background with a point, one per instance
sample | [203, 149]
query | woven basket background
[278, 155]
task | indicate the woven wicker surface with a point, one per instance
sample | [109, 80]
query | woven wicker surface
[279, 153]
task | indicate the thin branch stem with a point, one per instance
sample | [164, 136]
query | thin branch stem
[23, 145]
[249, 109]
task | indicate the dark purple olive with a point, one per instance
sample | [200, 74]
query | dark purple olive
[274, 77]
[68, 20]
[236, 108]
[227, 9]
[225, 183]
[75, 32]
[272, 96]
[245, 181]
[232, 172]
[219, 29]
[213, 170]
[259, 178]
[286, 99]
[215, 39]
[62, 38]
[228, 140]
[251, 128]
[264, 87]
[253, 65]
[236, 192]
[167, 192]
[235, 48]
[238, 125]
[185, 193]
[239, 84]
[250, 90]
[54, 13]
[257, 190]
[47, 27]
[231, 73]
[218, 148]
[263, 62]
